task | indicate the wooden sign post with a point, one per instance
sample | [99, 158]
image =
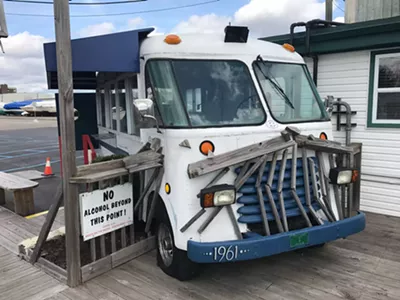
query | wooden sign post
[67, 131]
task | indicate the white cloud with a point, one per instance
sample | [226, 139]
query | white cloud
[339, 19]
[97, 29]
[108, 27]
[22, 65]
[263, 17]
[135, 23]
[206, 24]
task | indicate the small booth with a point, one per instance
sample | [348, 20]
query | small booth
[105, 79]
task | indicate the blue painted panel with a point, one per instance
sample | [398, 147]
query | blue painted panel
[253, 219]
[278, 165]
[255, 209]
[287, 176]
[251, 189]
[253, 199]
[117, 52]
[256, 246]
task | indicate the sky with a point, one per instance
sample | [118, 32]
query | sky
[31, 25]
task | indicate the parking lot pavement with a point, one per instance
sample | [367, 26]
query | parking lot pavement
[25, 145]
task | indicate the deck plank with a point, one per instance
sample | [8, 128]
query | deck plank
[20, 280]
[364, 266]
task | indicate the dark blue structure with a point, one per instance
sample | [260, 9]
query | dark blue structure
[111, 53]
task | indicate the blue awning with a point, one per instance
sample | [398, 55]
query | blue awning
[116, 53]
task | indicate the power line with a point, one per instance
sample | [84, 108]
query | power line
[120, 14]
[334, 2]
[76, 3]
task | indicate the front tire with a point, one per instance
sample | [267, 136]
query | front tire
[173, 261]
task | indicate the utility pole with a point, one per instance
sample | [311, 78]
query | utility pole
[328, 10]
[67, 131]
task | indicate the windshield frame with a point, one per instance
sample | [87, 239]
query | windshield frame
[324, 118]
[181, 100]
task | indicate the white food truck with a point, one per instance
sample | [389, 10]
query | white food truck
[249, 166]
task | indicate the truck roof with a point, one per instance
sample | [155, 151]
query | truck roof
[200, 45]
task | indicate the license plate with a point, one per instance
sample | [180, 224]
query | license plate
[299, 239]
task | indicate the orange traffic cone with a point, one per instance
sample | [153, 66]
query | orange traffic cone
[47, 169]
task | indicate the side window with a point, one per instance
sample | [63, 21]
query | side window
[384, 96]
[193, 100]
[150, 95]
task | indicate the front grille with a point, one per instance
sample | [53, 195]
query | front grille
[250, 212]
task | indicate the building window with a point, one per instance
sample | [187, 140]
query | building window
[384, 89]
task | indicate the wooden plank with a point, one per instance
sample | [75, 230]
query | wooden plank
[123, 237]
[97, 291]
[234, 157]
[322, 145]
[2, 197]
[29, 174]
[140, 157]
[59, 296]
[67, 132]
[147, 188]
[33, 284]
[52, 269]
[128, 253]
[78, 293]
[11, 182]
[96, 268]
[113, 242]
[99, 167]
[23, 202]
[44, 232]
[99, 176]
[145, 166]
[154, 200]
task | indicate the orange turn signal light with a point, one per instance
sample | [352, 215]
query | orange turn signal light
[172, 39]
[208, 200]
[355, 175]
[288, 47]
[323, 136]
[206, 147]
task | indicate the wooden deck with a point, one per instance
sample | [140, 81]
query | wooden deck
[365, 266]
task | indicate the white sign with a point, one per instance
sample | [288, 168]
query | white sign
[103, 211]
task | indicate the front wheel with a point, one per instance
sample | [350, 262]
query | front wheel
[173, 261]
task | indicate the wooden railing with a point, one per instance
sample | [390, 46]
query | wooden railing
[102, 252]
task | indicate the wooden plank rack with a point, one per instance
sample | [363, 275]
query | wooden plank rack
[253, 159]
[102, 253]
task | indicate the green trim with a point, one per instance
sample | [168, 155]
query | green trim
[370, 123]
[382, 33]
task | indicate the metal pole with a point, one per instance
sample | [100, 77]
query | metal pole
[67, 130]
[328, 10]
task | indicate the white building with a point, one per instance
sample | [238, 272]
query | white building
[13, 97]
[360, 63]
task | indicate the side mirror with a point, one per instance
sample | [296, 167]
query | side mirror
[329, 104]
[144, 106]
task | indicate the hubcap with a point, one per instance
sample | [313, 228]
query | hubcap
[165, 246]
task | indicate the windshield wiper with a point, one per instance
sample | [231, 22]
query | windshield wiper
[274, 84]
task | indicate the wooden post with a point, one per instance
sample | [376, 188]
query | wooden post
[328, 10]
[67, 130]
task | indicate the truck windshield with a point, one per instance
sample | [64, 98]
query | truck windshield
[288, 92]
[204, 93]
